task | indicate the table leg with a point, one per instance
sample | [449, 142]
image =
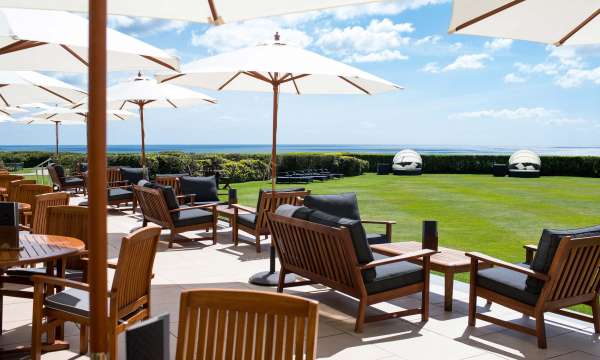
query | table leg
[448, 290]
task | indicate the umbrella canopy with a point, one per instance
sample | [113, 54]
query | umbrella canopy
[143, 92]
[58, 41]
[5, 118]
[204, 11]
[276, 67]
[573, 22]
[21, 87]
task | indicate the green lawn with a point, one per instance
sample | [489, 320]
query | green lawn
[496, 216]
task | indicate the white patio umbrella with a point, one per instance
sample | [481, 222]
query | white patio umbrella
[275, 68]
[4, 118]
[144, 92]
[203, 11]
[559, 22]
[21, 87]
[58, 41]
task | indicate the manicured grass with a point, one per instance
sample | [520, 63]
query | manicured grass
[496, 216]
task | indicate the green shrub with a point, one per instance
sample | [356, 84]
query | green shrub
[246, 170]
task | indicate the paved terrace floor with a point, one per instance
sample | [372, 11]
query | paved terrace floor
[445, 336]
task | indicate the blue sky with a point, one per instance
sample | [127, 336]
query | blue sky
[460, 90]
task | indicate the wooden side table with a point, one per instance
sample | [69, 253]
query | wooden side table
[447, 261]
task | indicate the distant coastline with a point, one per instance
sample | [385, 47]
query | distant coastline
[287, 148]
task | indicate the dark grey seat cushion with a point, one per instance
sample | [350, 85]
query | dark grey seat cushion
[393, 276]
[377, 239]
[191, 217]
[73, 181]
[248, 220]
[547, 247]
[132, 175]
[342, 205]
[71, 300]
[120, 194]
[203, 187]
[70, 274]
[508, 283]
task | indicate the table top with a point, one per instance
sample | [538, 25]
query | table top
[24, 207]
[40, 248]
[229, 211]
[448, 258]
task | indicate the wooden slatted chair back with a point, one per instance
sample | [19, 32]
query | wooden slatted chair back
[56, 179]
[269, 201]
[64, 220]
[28, 192]
[172, 181]
[7, 178]
[322, 253]
[131, 283]
[153, 205]
[244, 324]
[113, 176]
[39, 219]
[13, 188]
[4, 172]
[575, 270]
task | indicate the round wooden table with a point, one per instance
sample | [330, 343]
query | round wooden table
[24, 207]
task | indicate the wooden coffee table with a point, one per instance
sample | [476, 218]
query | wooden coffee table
[447, 261]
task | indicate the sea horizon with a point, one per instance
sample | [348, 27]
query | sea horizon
[322, 148]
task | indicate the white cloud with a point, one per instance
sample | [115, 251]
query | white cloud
[380, 36]
[141, 26]
[383, 8]
[576, 77]
[428, 40]
[540, 115]
[431, 67]
[513, 78]
[385, 55]
[468, 62]
[544, 68]
[498, 44]
[233, 36]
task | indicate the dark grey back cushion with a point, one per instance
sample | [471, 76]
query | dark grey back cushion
[204, 187]
[168, 193]
[60, 171]
[547, 247]
[132, 175]
[342, 205]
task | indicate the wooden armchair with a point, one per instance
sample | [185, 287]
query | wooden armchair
[169, 180]
[39, 210]
[250, 315]
[160, 206]
[573, 278]
[254, 221]
[329, 255]
[5, 180]
[65, 183]
[129, 296]
[13, 189]
[27, 194]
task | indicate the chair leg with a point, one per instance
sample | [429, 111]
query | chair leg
[36, 323]
[234, 233]
[144, 223]
[360, 319]
[112, 344]
[214, 230]
[257, 237]
[83, 340]
[473, 292]
[172, 235]
[540, 330]
[281, 283]
[596, 314]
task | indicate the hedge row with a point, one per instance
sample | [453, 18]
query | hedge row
[584, 166]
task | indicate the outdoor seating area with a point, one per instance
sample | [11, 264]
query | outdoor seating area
[306, 176]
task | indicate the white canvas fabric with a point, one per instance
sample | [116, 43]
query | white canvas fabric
[315, 74]
[408, 156]
[191, 10]
[534, 20]
[67, 116]
[524, 157]
[21, 87]
[62, 44]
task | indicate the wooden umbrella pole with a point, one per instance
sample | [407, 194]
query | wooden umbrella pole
[274, 144]
[56, 123]
[97, 201]
[143, 135]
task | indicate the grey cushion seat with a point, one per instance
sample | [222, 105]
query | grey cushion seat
[71, 300]
[192, 217]
[70, 274]
[119, 194]
[373, 239]
[73, 181]
[248, 220]
[393, 276]
[508, 283]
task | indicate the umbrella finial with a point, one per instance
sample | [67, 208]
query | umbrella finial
[277, 36]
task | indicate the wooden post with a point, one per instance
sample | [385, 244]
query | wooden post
[56, 123]
[274, 145]
[96, 139]
[143, 157]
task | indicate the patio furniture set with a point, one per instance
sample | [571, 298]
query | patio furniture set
[306, 176]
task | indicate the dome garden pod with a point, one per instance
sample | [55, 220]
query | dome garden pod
[407, 162]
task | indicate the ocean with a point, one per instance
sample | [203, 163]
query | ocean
[287, 148]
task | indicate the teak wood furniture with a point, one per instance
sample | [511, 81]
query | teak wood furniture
[65, 183]
[13, 189]
[573, 279]
[325, 255]
[181, 219]
[245, 324]
[447, 261]
[5, 179]
[254, 221]
[129, 295]
[27, 195]
[169, 180]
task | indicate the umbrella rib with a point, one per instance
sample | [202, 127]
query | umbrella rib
[159, 62]
[20, 45]
[230, 80]
[172, 77]
[257, 75]
[74, 54]
[487, 15]
[296, 86]
[215, 18]
[170, 102]
[355, 85]
[577, 28]
[4, 100]
[293, 78]
[56, 94]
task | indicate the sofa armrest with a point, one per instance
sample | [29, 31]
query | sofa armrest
[388, 226]
[394, 259]
[244, 208]
[211, 205]
[501, 263]
[51, 280]
[529, 252]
